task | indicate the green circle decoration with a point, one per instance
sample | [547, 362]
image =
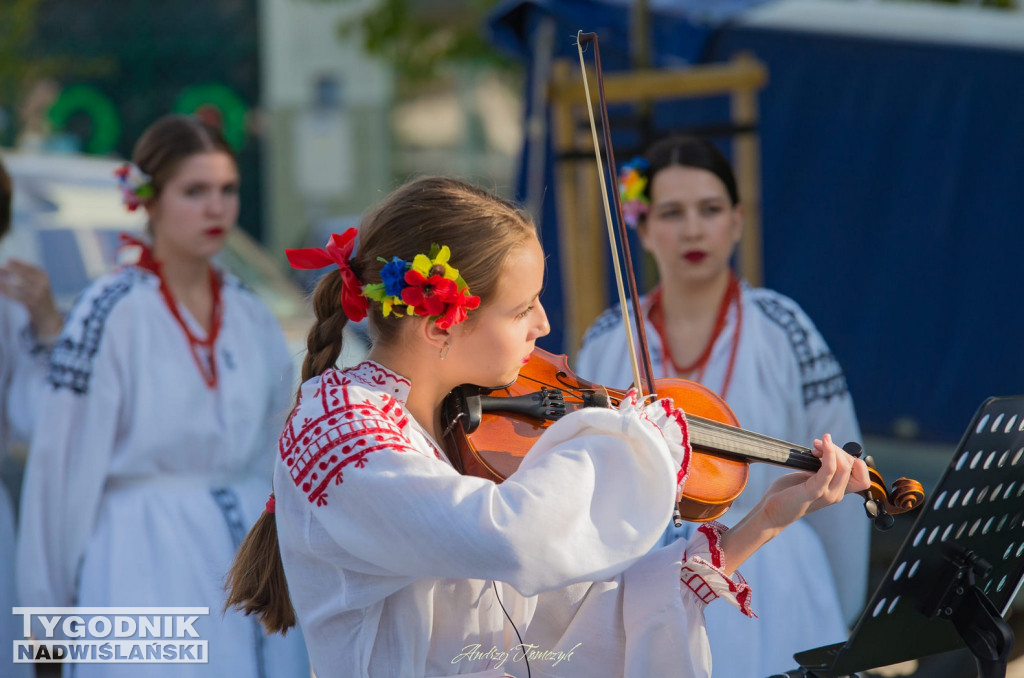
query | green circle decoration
[230, 106]
[106, 123]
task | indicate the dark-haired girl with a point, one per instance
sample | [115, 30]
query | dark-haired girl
[151, 455]
[760, 352]
[394, 564]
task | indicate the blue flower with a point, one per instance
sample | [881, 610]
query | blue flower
[638, 163]
[393, 275]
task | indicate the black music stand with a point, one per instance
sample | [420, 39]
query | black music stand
[960, 567]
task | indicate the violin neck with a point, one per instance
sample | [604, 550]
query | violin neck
[729, 441]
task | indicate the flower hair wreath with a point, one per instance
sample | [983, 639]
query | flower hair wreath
[136, 186]
[632, 184]
[426, 286]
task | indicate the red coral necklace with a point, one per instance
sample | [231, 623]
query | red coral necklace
[202, 350]
[657, 318]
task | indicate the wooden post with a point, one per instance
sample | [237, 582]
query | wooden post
[570, 222]
[747, 161]
[582, 238]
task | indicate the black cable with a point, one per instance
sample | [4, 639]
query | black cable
[509, 617]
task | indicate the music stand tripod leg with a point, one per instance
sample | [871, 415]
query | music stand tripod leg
[985, 632]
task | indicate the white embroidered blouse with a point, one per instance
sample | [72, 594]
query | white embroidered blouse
[399, 566]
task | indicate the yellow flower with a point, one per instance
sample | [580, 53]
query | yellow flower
[633, 186]
[436, 263]
[388, 303]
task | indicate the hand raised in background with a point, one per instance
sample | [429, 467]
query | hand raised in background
[30, 286]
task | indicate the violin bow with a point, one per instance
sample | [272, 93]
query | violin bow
[645, 358]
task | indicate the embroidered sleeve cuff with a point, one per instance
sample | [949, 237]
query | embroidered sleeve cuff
[703, 574]
[672, 423]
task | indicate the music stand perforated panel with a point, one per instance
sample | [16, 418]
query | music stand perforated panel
[978, 506]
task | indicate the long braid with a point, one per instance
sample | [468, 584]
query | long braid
[323, 343]
[256, 582]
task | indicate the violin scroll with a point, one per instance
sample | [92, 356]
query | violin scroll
[907, 494]
[881, 504]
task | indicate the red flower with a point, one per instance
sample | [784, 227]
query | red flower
[458, 310]
[428, 296]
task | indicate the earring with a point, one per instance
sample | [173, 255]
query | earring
[442, 353]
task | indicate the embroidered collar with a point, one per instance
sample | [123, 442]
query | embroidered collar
[379, 378]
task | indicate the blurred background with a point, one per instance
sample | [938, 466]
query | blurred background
[879, 145]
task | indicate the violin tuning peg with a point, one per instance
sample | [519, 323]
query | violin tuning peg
[853, 449]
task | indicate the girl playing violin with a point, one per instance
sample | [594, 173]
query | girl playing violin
[396, 564]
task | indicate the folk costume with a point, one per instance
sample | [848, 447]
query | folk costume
[779, 377]
[153, 461]
[397, 565]
[23, 359]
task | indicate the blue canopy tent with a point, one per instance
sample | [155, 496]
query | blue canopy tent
[892, 146]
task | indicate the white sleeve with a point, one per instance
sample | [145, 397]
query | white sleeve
[647, 621]
[72, 445]
[593, 494]
[30, 357]
[664, 596]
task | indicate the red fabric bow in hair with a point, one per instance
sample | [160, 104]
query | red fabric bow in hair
[337, 251]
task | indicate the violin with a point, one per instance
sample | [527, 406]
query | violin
[488, 431]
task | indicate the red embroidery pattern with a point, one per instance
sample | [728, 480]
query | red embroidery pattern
[675, 414]
[694, 581]
[341, 426]
[698, 585]
[372, 373]
[744, 599]
[713, 532]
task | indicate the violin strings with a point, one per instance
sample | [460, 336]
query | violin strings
[724, 436]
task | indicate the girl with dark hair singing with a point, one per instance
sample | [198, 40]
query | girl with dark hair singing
[394, 564]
